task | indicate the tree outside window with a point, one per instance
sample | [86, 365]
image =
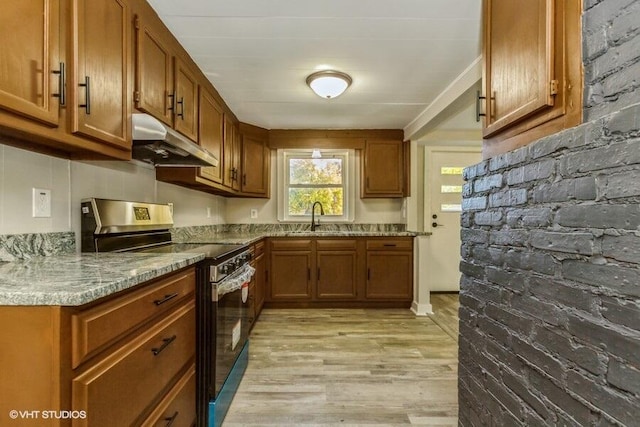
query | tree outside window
[311, 180]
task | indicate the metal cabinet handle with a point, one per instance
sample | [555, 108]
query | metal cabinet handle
[435, 224]
[368, 274]
[165, 299]
[172, 96]
[87, 95]
[318, 274]
[165, 343]
[390, 245]
[181, 103]
[244, 179]
[170, 419]
[478, 106]
[62, 88]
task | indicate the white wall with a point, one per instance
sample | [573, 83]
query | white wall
[367, 211]
[72, 181]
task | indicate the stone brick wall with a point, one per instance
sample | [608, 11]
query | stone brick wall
[550, 292]
[550, 288]
[611, 55]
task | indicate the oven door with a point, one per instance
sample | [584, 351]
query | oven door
[231, 325]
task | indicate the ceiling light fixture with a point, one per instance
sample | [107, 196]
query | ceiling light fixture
[329, 83]
[316, 154]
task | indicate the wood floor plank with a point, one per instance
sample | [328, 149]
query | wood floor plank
[348, 367]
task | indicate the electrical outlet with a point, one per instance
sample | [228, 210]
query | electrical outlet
[41, 203]
[254, 213]
[208, 212]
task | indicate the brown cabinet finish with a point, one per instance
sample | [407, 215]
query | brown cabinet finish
[382, 169]
[31, 80]
[389, 268]
[151, 358]
[141, 356]
[154, 71]
[340, 272]
[260, 276]
[185, 117]
[177, 409]
[211, 133]
[100, 100]
[99, 326]
[255, 165]
[231, 172]
[533, 71]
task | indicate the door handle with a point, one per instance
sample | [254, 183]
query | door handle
[435, 224]
[478, 106]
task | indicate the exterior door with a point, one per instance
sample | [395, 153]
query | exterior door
[443, 205]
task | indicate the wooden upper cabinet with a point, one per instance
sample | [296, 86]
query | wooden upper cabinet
[382, 169]
[186, 100]
[255, 160]
[211, 133]
[533, 71]
[29, 58]
[101, 45]
[519, 79]
[154, 72]
[231, 166]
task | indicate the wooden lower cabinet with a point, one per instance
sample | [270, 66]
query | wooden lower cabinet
[339, 272]
[120, 368]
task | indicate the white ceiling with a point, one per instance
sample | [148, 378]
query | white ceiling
[401, 55]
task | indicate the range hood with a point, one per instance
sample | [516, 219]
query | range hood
[155, 143]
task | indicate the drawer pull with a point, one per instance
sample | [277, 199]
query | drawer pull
[170, 419]
[165, 344]
[392, 245]
[165, 299]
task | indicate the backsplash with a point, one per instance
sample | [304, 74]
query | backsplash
[25, 246]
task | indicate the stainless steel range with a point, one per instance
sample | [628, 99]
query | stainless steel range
[221, 291]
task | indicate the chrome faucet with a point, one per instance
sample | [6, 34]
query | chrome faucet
[313, 215]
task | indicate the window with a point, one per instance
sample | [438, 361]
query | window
[305, 180]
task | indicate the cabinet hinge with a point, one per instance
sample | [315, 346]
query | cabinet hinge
[554, 87]
[136, 22]
[136, 96]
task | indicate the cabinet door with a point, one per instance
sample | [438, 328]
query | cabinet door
[99, 77]
[29, 30]
[186, 101]
[519, 58]
[231, 155]
[336, 275]
[382, 169]
[389, 275]
[255, 165]
[154, 73]
[211, 133]
[260, 276]
[290, 275]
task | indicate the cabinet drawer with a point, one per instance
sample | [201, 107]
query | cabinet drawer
[335, 244]
[258, 249]
[390, 244]
[290, 244]
[96, 327]
[119, 389]
[178, 407]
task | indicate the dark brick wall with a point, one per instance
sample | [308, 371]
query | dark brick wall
[550, 292]
[611, 52]
[550, 288]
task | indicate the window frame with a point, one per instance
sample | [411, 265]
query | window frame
[348, 171]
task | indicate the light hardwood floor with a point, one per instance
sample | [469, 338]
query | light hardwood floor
[350, 367]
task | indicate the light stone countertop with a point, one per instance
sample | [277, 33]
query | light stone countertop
[73, 280]
[77, 279]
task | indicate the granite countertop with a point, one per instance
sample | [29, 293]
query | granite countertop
[73, 280]
[248, 238]
[77, 279]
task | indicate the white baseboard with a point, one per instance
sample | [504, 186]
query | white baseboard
[421, 309]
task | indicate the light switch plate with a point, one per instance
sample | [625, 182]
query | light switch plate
[41, 203]
[254, 213]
